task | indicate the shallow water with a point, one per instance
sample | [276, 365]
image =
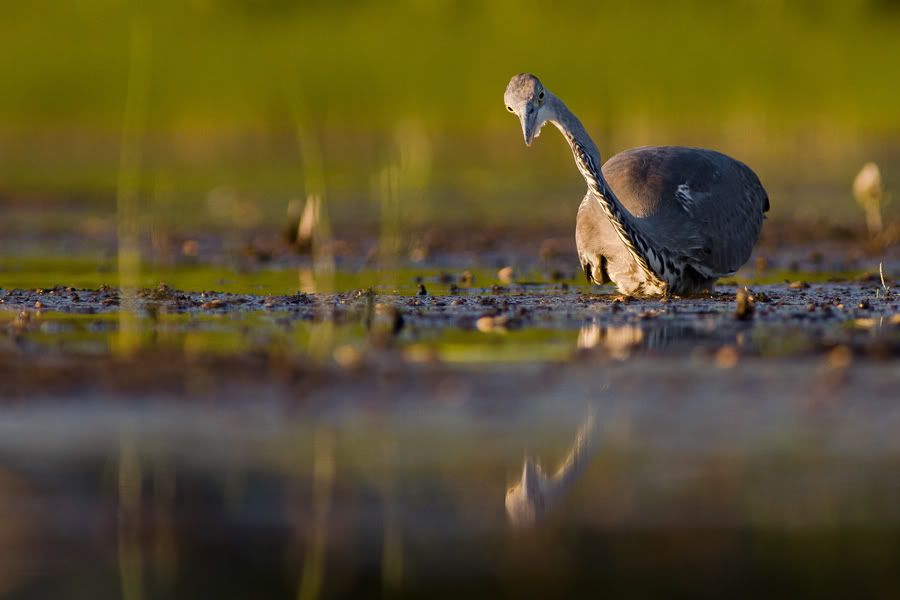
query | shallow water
[275, 442]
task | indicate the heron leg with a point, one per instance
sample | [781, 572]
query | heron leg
[595, 274]
[604, 274]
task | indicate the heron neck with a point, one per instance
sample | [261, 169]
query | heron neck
[572, 129]
[587, 159]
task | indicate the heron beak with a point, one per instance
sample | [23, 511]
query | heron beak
[530, 478]
[528, 127]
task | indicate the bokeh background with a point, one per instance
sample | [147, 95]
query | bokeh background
[207, 113]
[186, 410]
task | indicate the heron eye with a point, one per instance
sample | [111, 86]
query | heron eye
[541, 95]
[509, 108]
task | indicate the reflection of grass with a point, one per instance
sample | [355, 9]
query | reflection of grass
[526, 345]
[237, 334]
[191, 335]
[774, 342]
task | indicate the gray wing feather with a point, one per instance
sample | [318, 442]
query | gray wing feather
[702, 204]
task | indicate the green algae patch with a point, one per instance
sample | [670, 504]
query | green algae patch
[512, 346]
[88, 273]
[779, 276]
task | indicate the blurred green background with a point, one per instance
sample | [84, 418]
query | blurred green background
[247, 104]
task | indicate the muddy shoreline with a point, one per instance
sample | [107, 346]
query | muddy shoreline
[837, 322]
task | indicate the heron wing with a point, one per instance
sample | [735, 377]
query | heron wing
[700, 204]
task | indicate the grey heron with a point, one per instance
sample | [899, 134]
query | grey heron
[655, 220]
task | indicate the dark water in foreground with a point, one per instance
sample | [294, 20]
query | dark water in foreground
[683, 478]
[251, 501]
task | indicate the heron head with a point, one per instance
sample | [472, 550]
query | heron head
[524, 97]
[525, 502]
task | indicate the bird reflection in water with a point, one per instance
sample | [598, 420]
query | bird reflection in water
[536, 494]
[618, 341]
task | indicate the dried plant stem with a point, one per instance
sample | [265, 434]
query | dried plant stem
[127, 213]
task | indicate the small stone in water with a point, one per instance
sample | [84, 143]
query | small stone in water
[214, 303]
[744, 310]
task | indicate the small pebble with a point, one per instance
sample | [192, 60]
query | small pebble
[212, 304]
